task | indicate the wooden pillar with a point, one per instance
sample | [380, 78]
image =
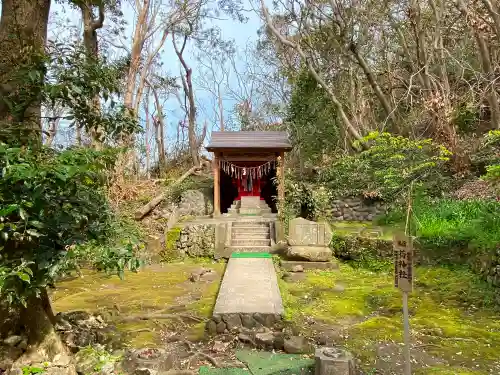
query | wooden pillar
[280, 230]
[281, 182]
[216, 184]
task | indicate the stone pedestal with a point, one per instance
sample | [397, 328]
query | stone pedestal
[333, 361]
[309, 240]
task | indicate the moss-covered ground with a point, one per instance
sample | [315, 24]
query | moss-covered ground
[455, 326]
[157, 289]
[455, 323]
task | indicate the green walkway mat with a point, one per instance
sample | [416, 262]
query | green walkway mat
[266, 363]
[251, 255]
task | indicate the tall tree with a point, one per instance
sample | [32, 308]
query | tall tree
[23, 35]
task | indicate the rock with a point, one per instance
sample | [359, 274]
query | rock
[69, 370]
[209, 276]
[23, 345]
[145, 371]
[211, 327]
[297, 345]
[312, 253]
[107, 369]
[338, 288]
[232, 321]
[279, 341]
[267, 320]
[334, 361]
[245, 338]
[85, 363]
[13, 340]
[61, 360]
[248, 321]
[294, 277]
[298, 268]
[8, 355]
[220, 346]
[217, 318]
[150, 358]
[221, 327]
[62, 325]
[203, 274]
[264, 340]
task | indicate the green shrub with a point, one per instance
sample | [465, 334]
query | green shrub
[50, 203]
[371, 253]
[387, 167]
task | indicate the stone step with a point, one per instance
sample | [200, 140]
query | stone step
[250, 211]
[250, 201]
[250, 242]
[250, 230]
[250, 224]
[250, 236]
[248, 249]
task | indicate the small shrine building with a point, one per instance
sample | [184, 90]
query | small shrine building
[248, 164]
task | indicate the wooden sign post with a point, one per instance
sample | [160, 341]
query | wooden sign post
[403, 279]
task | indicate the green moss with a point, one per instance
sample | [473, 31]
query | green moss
[445, 320]
[148, 291]
[447, 371]
[171, 237]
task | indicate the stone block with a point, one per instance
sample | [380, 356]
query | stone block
[303, 232]
[232, 321]
[297, 345]
[248, 321]
[288, 265]
[311, 253]
[334, 361]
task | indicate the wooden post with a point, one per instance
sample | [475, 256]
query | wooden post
[216, 184]
[281, 183]
[280, 230]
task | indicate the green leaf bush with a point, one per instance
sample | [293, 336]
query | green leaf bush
[51, 202]
[387, 167]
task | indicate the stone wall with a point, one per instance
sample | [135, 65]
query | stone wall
[356, 209]
[192, 203]
[197, 240]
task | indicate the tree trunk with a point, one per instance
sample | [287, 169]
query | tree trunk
[146, 136]
[23, 34]
[159, 124]
[90, 27]
[38, 321]
[187, 85]
[156, 200]
[373, 82]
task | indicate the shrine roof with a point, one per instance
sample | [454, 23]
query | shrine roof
[257, 140]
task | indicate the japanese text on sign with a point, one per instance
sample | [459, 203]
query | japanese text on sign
[403, 263]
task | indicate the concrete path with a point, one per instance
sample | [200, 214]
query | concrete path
[249, 286]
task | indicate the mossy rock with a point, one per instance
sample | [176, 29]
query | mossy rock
[171, 253]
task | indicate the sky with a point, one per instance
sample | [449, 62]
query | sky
[240, 33]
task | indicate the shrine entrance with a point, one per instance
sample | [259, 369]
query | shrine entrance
[247, 179]
[248, 166]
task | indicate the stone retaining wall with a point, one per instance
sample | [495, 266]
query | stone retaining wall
[231, 322]
[197, 240]
[356, 209]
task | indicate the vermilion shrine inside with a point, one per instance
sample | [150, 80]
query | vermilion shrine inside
[247, 164]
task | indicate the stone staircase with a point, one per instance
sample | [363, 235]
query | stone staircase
[250, 236]
[249, 206]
